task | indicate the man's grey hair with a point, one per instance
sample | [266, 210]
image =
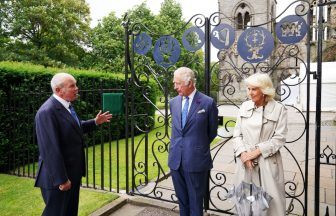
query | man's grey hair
[186, 75]
[58, 80]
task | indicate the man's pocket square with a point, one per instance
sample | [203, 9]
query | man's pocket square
[201, 111]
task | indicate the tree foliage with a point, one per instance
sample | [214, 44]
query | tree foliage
[47, 32]
[57, 33]
[108, 38]
[107, 44]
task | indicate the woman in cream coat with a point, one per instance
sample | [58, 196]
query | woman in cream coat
[260, 132]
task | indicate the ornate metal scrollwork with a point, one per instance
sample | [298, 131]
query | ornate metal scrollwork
[329, 156]
[227, 74]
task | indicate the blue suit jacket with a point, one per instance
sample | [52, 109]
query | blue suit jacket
[61, 145]
[190, 146]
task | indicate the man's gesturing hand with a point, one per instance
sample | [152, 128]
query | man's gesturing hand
[103, 117]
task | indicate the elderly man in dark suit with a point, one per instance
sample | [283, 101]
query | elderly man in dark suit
[194, 126]
[60, 139]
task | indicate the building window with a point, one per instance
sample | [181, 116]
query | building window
[246, 19]
[240, 21]
[242, 16]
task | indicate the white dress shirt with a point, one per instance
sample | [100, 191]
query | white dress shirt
[65, 103]
[191, 97]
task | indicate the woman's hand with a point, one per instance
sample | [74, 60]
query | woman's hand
[247, 163]
[246, 156]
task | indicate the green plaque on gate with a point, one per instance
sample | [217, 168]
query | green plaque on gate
[113, 102]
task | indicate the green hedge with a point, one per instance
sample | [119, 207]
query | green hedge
[23, 89]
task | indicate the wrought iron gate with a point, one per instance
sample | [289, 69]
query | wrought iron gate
[236, 59]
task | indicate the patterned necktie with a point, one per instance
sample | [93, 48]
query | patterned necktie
[185, 111]
[73, 113]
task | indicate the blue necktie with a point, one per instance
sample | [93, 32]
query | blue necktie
[185, 111]
[73, 113]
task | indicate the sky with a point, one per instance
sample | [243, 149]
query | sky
[101, 8]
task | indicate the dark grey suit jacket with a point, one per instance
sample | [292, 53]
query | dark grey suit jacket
[61, 145]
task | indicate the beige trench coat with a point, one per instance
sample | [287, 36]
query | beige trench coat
[266, 129]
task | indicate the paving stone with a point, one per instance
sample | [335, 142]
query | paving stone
[330, 197]
[151, 211]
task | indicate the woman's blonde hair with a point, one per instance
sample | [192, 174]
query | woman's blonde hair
[264, 82]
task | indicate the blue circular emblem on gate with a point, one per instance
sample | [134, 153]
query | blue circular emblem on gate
[223, 36]
[166, 51]
[193, 39]
[142, 43]
[255, 44]
[291, 29]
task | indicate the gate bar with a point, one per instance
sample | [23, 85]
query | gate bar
[207, 57]
[125, 24]
[318, 111]
[207, 92]
[305, 182]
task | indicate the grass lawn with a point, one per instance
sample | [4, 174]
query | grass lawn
[157, 156]
[18, 196]
[159, 104]
[229, 121]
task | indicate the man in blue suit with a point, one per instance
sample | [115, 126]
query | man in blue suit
[60, 139]
[194, 126]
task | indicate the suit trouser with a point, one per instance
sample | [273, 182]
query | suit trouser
[61, 203]
[190, 188]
